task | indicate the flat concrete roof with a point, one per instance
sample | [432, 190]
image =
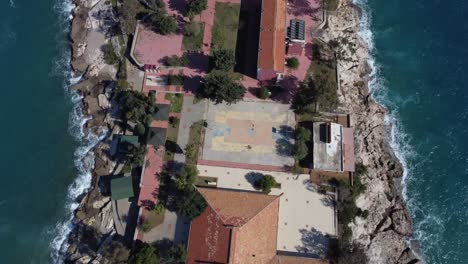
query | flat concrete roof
[303, 212]
[327, 156]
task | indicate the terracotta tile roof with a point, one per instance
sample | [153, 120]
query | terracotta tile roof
[208, 239]
[255, 242]
[235, 208]
[297, 260]
[272, 45]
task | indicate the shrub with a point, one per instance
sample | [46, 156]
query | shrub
[361, 169]
[191, 152]
[175, 61]
[266, 182]
[109, 54]
[223, 59]
[218, 87]
[176, 79]
[292, 63]
[195, 7]
[145, 227]
[159, 208]
[263, 93]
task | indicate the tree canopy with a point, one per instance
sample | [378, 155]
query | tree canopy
[223, 59]
[146, 255]
[136, 106]
[219, 87]
[195, 7]
[190, 204]
[266, 182]
[187, 177]
[292, 63]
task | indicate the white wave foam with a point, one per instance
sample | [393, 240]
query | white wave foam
[84, 156]
[399, 140]
[12, 4]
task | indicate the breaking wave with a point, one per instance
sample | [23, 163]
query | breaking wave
[399, 140]
[84, 156]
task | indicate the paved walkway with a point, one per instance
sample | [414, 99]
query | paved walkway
[175, 228]
[191, 113]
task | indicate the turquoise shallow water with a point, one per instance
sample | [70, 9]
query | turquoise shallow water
[420, 61]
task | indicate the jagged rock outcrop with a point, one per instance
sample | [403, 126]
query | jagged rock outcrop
[385, 232]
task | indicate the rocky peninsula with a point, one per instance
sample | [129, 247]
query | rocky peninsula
[384, 235]
[386, 232]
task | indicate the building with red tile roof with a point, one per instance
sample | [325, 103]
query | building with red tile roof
[272, 40]
[227, 231]
[238, 227]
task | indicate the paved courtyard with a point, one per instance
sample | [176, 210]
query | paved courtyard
[306, 217]
[258, 133]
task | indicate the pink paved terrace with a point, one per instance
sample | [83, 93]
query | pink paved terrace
[310, 12]
[152, 48]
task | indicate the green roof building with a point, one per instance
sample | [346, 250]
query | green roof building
[127, 143]
[122, 188]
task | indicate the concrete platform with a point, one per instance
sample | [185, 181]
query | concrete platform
[250, 132]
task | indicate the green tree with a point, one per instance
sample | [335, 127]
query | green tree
[175, 255]
[191, 152]
[190, 204]
[218, 86]
[303, 134]
[146, 255]
[137, 156]
[195, 7]
[266, 182]
[186, 178]
[300, 150]
[167, 25]
[135, 106]
[223, 59]
[319, 91]
[292, 63]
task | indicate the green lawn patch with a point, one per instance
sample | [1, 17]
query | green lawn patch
[225, 26]
[194, 143]
[193, 36]
[171, 138]
[177, 100]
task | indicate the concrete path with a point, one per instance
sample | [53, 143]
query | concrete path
[191, 113]
[175, 228]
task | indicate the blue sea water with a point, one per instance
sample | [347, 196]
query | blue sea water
[420, 59]
[45, 157]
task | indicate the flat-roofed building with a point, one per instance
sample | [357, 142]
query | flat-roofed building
[333, 147]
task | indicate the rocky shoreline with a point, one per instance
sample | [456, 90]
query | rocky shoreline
[384, 234]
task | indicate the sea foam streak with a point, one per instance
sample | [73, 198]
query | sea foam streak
[398, 138]
[84, 156]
